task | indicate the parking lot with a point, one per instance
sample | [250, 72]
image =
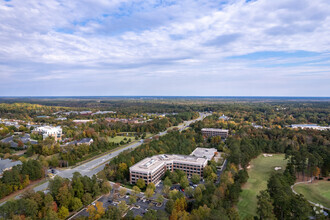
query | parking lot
[139, 208]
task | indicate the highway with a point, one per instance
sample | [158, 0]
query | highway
[94, 166]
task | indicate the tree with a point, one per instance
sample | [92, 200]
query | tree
[184, 182]
[87, 198]
[195, 178]
[63, 197]
[122, 206]
[122, 191]
[198, 195]
[136, 190]
[63, 212]
[166, 190]
[75, 204]
[189, 192]
[169, 206]
[149, 193]
[264, 206]
[132, 199]
[167, 182]
[99, 209]
[151, 186]
[141, 183]
[203, 212]
[159, 198]
[91, 212]
[106, 187]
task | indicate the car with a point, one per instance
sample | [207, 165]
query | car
[109, 201]
[195, 185]
[126, 197]
[93, 203]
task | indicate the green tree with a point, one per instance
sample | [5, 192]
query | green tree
[136, 190]
[167, 182]
[75, 204]
[132, 199]
[141, 183]
[122, 206]
[122, 191]
[195, 178]
[184, 183]
[159, 198]
[265, 206]
[149, 193]
[63, 212]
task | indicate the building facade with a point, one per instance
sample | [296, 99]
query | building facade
[210, 132]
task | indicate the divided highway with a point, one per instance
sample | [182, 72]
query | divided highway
[94, 166]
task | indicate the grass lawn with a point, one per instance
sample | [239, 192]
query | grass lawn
[118, 139]
[259, 173]
[318, 191]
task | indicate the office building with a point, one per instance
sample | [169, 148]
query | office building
[152, 169]
[49, 131]
[210, 132]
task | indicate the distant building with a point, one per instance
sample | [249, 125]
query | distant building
[310, 126]
[85, 112]
[83, 121]
[71, 113]
[257, 126]
[87, 141]
[61, 119]
[223, 117]
[7, 164]
[49, 131]
[43, 116]
[210, 132]
[152, 169]
[103, 112]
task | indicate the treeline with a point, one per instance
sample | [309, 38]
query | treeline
[19, 177]
[279, 202]
[173, 143]
[64, 196]
[73, 154]
[308, 150]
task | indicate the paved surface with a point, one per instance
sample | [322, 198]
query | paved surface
[94, 166]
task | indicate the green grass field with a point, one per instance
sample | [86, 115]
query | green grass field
[118, 139]
[259, 173]
[318, 192]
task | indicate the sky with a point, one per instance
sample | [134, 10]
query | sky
[165, 48]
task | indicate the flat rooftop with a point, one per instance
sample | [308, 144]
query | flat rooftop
[214, 129]
[207, 153]
[150, 164]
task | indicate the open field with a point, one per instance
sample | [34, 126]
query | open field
[259, 173]
[118, 139]
[317, 192]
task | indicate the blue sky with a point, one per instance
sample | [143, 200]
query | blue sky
[165, 47]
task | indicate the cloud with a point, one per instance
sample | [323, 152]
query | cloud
[154, 42]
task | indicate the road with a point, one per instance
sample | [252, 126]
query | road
[94, 166]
